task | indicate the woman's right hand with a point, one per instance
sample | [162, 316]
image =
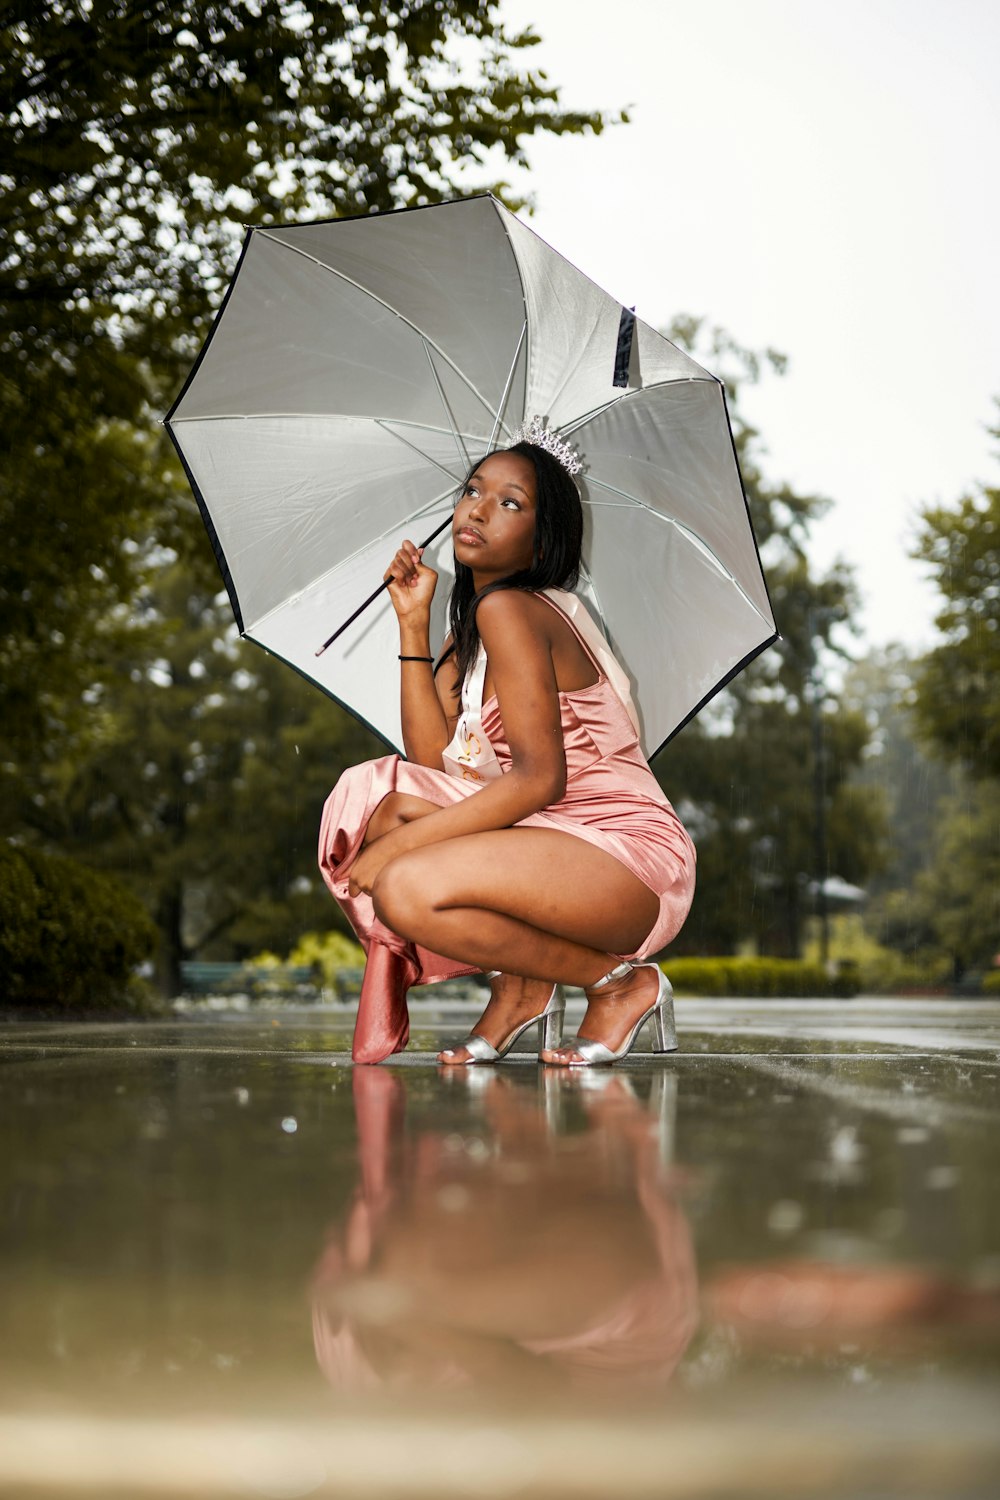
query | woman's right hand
[411, 582]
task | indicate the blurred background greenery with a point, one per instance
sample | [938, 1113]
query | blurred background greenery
[160, 781]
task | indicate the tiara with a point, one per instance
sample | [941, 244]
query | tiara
[535, 431]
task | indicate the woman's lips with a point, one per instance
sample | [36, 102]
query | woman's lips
[470, 535]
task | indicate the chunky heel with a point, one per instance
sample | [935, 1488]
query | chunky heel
[551, 1023]
[661, 1013]
[664, 1030]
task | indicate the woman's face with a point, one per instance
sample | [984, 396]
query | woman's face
[494, 524]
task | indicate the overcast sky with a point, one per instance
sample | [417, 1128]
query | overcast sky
[821, 178]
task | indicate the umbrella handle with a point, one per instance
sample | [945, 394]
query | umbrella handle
[374, 595]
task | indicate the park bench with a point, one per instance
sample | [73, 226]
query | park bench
[200, 978]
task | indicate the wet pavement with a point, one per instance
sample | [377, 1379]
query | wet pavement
[233, 1265]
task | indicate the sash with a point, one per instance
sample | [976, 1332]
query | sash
[470, 756]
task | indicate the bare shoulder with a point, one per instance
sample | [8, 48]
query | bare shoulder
[513, 609]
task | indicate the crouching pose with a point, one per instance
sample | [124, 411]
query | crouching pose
[524, 835]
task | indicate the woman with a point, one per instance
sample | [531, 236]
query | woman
[546, 853]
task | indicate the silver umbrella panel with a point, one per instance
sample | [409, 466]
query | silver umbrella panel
[356, 371]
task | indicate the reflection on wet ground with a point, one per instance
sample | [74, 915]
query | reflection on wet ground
[768, 1265]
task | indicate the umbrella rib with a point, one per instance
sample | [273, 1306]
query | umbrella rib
[602, 617]
[344, 561]
[447, 409]
[471, 437]
[379, 422]
[321, 416]
[632, 503]
[367, 292]
[498, 421]
[569, 428]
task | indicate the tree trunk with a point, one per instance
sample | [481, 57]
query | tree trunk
[169, 915]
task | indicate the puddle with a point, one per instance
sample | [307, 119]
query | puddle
[221, 1223]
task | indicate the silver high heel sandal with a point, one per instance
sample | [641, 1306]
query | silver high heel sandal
[661, 1011]
[550, 1028]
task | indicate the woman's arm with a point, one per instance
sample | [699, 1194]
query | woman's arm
[426, 726]
[516, 634]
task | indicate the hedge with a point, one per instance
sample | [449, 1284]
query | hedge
[70, 937]
[760, 977]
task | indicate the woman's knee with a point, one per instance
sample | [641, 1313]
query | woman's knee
[400, 892]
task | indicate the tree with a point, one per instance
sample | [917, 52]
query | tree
[135, 138]
[957, 896]
[958, 706]
[958, 711]
[745, 772]
[937, 733]
[136, 135]
[205, 785]
[915, 790]
[912, 784]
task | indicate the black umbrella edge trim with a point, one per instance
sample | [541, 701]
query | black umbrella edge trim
[213, 535]
[746, 502]
[723, 682]
[383, 213]
[776, 636]
[269, 651]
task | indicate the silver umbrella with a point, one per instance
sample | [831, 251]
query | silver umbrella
[358, 367]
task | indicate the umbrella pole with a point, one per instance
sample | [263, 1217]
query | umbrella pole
[375, 593]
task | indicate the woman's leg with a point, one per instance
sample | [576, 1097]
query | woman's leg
[395, 809]
[535, 903]
[512, 998]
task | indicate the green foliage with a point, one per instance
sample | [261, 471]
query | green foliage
[938, 901]
[957, 897]
[70, 937]
[207, 782]
[329, 952]
[773, 978]
[958, 705]
[136, 140]
[853, 947]
[749, 799]
[135, 136]
[939, 897]
[991, 983]
[335, 956]
[911, 784]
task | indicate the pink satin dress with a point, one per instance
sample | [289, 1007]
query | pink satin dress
[612, 800]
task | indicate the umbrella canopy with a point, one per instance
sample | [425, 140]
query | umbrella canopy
[358, 367]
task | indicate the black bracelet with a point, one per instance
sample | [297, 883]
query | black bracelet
[418, 658]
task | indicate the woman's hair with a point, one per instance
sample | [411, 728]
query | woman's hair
[555, 561]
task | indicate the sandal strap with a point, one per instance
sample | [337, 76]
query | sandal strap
[478, 1048]
[620, 971]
